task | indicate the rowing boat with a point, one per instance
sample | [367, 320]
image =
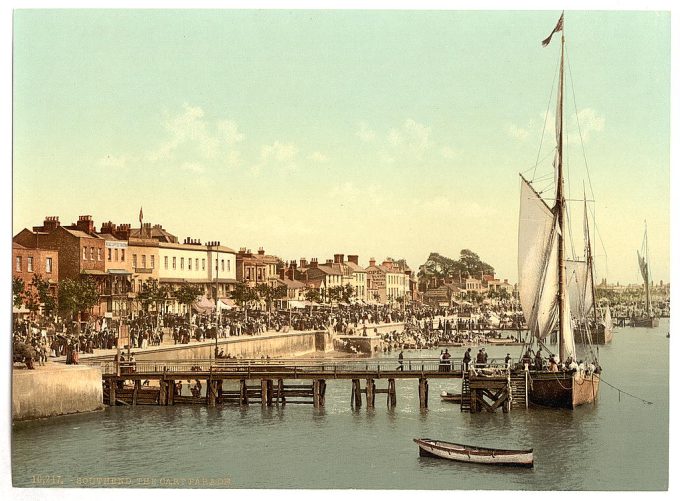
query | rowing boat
[451, 397]
[472, 454]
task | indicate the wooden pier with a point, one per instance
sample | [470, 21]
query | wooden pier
[281, 382]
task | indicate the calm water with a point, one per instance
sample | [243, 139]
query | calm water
[618, 444]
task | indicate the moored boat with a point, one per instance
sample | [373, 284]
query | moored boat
[455, 398]
[562, 389]
[473, 454]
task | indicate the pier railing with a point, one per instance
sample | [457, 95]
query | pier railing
[297, 368]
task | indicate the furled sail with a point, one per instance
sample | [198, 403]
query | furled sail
[580, 287]
[537, 262]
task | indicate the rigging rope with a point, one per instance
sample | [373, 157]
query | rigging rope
[545, 120]
[625, 393]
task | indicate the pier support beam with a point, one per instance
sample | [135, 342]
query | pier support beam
[279, 392]
[391, 393]
[162, 392]
[138, 384]
[263, 392]
[423, 391]
[356, 393]
[243, 397]
[319, 392]
[112, 392]
[172, 389]
[211, 391]
[370, 393]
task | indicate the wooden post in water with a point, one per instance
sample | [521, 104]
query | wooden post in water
[473, 401]
[243, 400]
[138, 383]
[163, 392]
[322, 392]
[316, 393]
[263, 391]
[172, 388]
[212, 393]
[279, 393]
[423, 392]
[112, 392]
[356, 393]
[270, 392]
[370, 393]
[391, 393]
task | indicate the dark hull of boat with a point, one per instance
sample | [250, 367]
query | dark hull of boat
[477, 455]
[601, 335]
[644, 322]
[456, 398]
[563, 390]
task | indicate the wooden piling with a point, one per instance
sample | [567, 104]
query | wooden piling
[356, 393]
[212, 393]
[163, 392]
[112, 392]
[135, 392]
[316, 393]
[263, 391]
[423, 390]
[243, 400]
[172, 389]
[391, 393]
[279, 394]
[370, 393]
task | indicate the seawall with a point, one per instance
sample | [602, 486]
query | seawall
[55, 390]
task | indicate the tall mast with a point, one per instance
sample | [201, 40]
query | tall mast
[648, 305]
[559, 207]
[589, 258]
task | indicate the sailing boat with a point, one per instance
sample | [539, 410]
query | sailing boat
[647, 319]
[582, 296]
[543, 279]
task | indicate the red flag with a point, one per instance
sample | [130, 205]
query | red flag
[141, 215]
[558, 27]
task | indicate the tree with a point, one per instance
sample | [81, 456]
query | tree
[335, 293]
[188, 294]
[268, 294]
[313, 295]
[243, 295]
[76, 296]
[44, 296]
[153, 294]
[17, 292]
[347, 292]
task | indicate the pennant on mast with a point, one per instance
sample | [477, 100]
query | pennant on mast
[558, 27]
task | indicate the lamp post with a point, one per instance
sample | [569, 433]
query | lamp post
[216, 247]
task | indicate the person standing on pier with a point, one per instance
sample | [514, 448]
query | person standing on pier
[401, 361]
[467, 358]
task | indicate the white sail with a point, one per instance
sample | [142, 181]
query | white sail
[537, 262]
[568, 335]
[608, 324]
[579, 287]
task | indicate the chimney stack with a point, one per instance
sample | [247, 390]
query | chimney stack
[85, 224]
[371, 262]
[314, 263]
[50, 223]
[353, 258]
[260, 251]
[339, 258]
[303, 262]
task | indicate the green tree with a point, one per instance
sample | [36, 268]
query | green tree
[18, 288]
[188, 294]
[268, 294]
[335, 293]
[153, 294]
[76, 296]
[44, 295]
[347, 293]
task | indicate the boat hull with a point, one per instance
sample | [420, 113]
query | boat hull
[644, 322]
[564, 390]
[456, 398]
[601, 335]
[477, 455]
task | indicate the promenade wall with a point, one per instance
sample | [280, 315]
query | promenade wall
[272, 345]
[55, 390]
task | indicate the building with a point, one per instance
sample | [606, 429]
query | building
[253, 269]
[27, 263]
[359, 278]
[387, 283]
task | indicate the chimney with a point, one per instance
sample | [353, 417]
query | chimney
[339, 258]
[329, 262]
[260, 251]
[303, 262]
[50, 224]
[353, 258]
[282, 273]
[371, 262]
[108, 228]
[122, 232]
[314, 263]
[85, 224]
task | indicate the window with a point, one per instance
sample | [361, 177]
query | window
[48, 265]
[99, 254]
[196, 264]
[115, 254]
[84, 253]
[165, 262]
[29, 265]
[153, 262]
[181, 263]
[122, 254]
[223, 265]
[228, 265]
[203, 264]
[134, 260]
[189, 263]
[91, 253]
[174, 263]
[144, 261]
[109, 254]
[18, 265]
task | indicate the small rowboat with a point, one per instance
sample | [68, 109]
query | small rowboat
[456, 398]
[472, 454]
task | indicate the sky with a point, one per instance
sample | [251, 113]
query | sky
[377, 133]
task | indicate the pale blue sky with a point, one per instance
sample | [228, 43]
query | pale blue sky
[369, 132]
